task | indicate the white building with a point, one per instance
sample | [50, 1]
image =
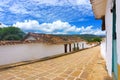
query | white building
[35, 47]
[109, 12]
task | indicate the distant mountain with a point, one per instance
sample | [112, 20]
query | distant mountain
[86, 37]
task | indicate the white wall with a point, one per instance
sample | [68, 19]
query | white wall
[30, 38]
[118, 28]
[84, 45]
[72, 46]
[68, 48]
[23, 52]
[108, 24]
[80, 45]
[103, 49]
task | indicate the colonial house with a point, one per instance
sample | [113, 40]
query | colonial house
[37, 46]
[53, 39]
[109, 12]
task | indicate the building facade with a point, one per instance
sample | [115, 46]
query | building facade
[37, 46]
[109, 12]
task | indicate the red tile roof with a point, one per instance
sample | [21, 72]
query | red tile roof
[43, 38]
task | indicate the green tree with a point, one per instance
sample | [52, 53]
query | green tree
[12, 37]
[0, 33]
[11, 33]
[97, 39]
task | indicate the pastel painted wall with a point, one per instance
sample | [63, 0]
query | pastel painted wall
[108, 24]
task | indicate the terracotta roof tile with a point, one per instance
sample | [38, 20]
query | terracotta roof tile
[43, 38]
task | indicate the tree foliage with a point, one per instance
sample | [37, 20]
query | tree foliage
[11, 33]
[86, 37]
[91, 38]
[97, 39]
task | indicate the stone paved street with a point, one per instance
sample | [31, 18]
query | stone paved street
[81, 65]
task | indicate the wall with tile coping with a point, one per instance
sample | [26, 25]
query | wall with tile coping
[31, 51]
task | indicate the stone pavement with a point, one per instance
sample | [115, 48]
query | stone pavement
[82, 65]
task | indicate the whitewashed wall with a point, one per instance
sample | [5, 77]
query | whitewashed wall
[75, 44]
[103, 49]
[108, 24]
[80, 45]
[23, 52]
[118, 28]
[72, 46]
[68, 50]
[85, 45]
[30, 38]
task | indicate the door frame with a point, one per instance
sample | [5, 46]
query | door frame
[114, 45]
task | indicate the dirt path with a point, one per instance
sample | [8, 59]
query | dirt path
[83, 65]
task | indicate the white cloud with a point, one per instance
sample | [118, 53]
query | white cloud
[4, 3]
[16, 8]
[2, 25]
[27, 25]
[62, 2]
[1, 9]
[90, 30]
[22, 6]
[44, 10]
[49, 2]
[57, 27]
[83, 2]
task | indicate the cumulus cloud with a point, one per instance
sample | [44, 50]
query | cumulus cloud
[90, 30]
[44, 10]
[56, 27]
[2, 25]
[27, 25]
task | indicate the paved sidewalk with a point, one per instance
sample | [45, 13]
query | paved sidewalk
[83, 65]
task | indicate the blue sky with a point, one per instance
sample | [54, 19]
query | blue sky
[50, 16]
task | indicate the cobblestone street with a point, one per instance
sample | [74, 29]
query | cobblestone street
[83, 65]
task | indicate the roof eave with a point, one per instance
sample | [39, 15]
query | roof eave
[99, 10]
